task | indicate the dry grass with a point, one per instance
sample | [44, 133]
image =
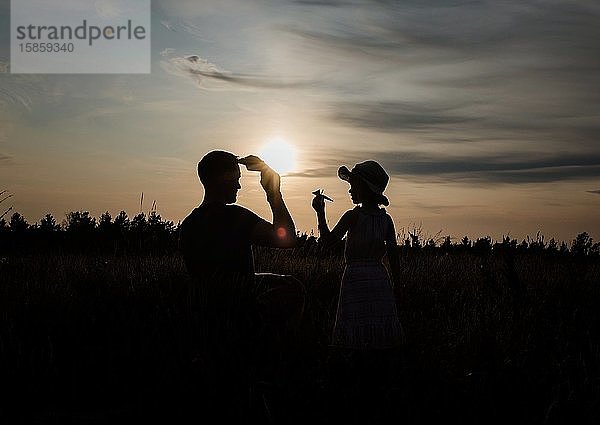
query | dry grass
[125, 339]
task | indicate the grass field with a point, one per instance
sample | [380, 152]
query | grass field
[95, 339]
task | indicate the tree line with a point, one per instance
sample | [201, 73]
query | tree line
[80, 231]
[151, 234]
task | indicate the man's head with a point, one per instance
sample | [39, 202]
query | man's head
[219, 173]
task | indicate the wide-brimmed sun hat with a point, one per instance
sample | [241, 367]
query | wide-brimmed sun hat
[372, 174]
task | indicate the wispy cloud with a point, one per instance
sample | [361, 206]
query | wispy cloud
[515, 71]
[463, 29]
[24, 92]
[546, 127]
[440, 167]
[192, 29]
[168, 25]
[201, 71]
[328, 3]
[8, 95]
[185, 26]
[394, 116]
[318, 172]
[21, 90]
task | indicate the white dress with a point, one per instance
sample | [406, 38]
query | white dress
[366, 316]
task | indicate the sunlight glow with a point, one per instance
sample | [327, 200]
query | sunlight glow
[279, 154]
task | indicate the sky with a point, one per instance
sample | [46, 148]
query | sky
[486, 114]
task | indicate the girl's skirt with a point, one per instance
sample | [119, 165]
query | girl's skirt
[366, 316]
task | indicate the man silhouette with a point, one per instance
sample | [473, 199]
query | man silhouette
[247, 319]
[216, 237]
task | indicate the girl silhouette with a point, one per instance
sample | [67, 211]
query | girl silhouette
[366, 318]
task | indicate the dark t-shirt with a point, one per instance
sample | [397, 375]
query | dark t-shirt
[216, 238]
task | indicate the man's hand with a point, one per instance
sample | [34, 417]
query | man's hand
[269, 179]
[253, 163]
[282, 233]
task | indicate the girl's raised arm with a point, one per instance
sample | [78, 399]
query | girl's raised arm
[326, 236]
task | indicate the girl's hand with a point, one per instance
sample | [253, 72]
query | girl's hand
[318, 203]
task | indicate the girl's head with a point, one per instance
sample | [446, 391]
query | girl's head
[367, 182]
[360, 192]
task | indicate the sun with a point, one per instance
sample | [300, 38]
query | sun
[279, 155]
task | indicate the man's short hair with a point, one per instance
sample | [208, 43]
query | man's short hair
[216, 163]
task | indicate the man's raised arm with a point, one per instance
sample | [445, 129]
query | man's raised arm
[282, 233]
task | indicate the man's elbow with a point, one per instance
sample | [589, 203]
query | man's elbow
[285, 238]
